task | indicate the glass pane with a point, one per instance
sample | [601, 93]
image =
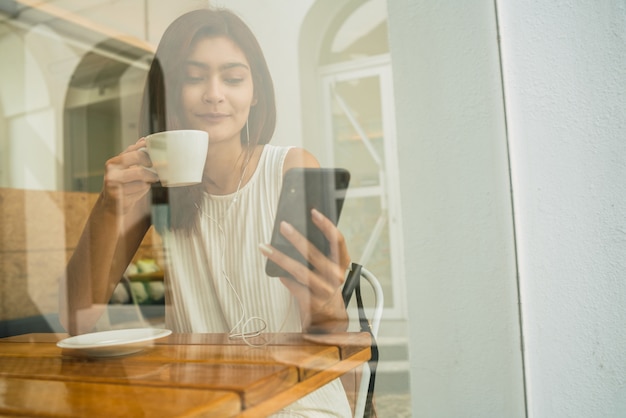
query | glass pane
[70, 100]
[358, 222]
[357, 112]
[359, 146]
[92, 134]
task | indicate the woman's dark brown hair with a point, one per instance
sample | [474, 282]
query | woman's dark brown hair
[162, 93]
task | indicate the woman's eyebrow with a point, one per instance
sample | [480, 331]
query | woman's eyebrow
[230, 65]
[222, 67]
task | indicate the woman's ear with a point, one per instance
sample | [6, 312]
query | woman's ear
[254, 102]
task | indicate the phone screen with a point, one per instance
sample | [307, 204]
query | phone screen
[304, 189]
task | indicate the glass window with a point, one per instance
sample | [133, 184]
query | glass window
[101, 112]
[357, 94]
[70, 100]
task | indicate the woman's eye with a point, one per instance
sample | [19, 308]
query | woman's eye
[193, 79]
[234, 80]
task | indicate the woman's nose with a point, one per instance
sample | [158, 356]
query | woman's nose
[213, 92]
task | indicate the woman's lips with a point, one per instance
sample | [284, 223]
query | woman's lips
[213, 117]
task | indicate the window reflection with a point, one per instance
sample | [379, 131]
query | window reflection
[70, 100]
[101, 112]
[360, 34]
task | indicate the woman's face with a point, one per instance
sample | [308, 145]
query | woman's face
[217, 89]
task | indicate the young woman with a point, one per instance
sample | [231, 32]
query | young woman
[210, 74]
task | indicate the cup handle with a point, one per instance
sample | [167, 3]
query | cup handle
[145, 149]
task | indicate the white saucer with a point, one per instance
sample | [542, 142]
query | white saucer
[114, 343]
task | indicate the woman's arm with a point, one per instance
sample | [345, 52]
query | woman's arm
[112, 234]
[318, 291]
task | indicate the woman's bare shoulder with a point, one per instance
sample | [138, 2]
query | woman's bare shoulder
[299, 157]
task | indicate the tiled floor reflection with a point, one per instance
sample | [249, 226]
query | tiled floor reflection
[392, 405]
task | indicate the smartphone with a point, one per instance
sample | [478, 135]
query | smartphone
[304, 189]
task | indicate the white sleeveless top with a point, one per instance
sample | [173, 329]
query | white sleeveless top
[216, 279]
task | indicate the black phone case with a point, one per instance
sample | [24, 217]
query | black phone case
[304, 189]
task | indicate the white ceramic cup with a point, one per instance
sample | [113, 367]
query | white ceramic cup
[178, 157]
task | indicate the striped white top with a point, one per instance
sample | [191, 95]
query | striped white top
[216, 277]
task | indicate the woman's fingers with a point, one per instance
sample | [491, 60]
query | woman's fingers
[134, 158]
[301, 243]
[330, 270]
[131, 157]
[301, 273]
[116, 175]
[327, 267]
[128, 176]
[133, 164]
[317, 291]
[297, 270]
[331, 267]
[141, 143]
[338, 248]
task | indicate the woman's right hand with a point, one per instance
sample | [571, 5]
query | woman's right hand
[127, 178]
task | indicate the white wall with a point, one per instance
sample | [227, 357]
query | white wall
[565, 80]
[465, 350]
[565, 88]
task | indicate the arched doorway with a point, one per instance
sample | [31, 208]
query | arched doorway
[101, 111]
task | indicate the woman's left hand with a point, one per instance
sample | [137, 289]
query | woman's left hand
[317, 290]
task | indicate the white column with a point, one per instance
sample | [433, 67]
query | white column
[465, 349]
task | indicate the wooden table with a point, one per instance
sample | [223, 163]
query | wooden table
[182, 375]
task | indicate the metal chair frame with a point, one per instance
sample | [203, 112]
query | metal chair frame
[373, 324]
